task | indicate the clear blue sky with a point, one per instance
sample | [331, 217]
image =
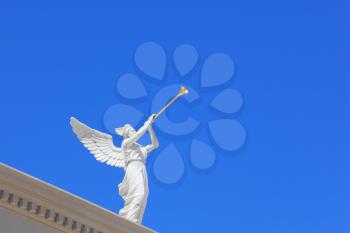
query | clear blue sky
[292, 59]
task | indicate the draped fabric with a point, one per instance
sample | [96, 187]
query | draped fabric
[134, 188]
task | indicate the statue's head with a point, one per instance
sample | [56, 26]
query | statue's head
[126, 131]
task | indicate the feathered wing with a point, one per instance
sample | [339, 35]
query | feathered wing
[99, 144]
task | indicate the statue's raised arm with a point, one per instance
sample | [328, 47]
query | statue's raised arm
[154, 140]
[129, 134]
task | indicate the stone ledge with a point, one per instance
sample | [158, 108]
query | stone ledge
[56, 208]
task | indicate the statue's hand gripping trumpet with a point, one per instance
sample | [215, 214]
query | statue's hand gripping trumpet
[131, 156]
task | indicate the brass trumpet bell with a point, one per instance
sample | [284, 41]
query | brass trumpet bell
[183, 90]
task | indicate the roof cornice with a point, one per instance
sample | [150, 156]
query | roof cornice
[57, 208]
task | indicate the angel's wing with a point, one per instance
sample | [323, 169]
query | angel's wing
[99, 144]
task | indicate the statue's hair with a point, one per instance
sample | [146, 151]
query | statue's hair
[122, 130]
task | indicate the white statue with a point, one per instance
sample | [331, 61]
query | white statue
[131, 156]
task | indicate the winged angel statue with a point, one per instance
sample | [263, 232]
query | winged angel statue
[131, 156]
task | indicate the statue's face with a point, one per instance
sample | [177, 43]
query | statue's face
[129, 132]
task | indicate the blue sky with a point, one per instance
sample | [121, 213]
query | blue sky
[292, 175]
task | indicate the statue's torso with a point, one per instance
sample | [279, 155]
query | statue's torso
[134, 152]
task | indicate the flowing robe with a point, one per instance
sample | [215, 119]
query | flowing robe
[134, 187]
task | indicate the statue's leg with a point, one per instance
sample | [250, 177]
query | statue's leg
[144, 201]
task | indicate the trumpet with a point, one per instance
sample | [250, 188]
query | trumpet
[182, 91]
